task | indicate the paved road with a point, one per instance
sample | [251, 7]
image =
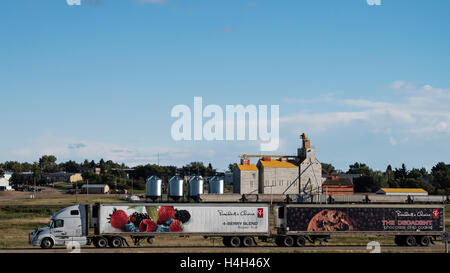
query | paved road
[321, 249]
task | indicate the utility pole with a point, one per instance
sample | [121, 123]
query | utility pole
[34, 189]
[87, 188]
[76, 189]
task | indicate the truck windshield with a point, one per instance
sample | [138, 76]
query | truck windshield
[51, 224]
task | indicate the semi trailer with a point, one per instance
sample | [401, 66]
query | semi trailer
[238, 224]
[409, 225]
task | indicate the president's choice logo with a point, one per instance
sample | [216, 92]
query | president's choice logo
[373, 2]
[235, 123]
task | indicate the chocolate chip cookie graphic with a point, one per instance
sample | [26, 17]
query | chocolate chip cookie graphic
[331, 220]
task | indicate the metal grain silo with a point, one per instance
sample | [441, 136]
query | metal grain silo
[154, 187]
[195, 187]
[176, 187]
[216, 185]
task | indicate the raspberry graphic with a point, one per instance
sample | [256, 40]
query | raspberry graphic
[147, 225]
[118, 219]
[165, 213]
[176, 226]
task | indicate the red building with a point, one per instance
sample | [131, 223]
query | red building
[335, 186]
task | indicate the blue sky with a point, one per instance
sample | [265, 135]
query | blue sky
[366, 83]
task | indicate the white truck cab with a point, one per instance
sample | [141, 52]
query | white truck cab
[66, 226]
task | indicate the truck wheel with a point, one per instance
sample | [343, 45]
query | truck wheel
[235, 241]
[424, 240]
[300, 241]
[247, 241]
[288, 241]
[100, 242]
[410, 240]
[151, 240]
[115, 242]
[46, 243]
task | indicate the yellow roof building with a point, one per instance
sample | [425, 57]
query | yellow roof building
[402, 191]
[250, 167]
[277, 164]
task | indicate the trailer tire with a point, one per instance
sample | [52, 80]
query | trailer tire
[288, 241]
[248, 241]
[115, 242]
[47, 243]
[300, 241]
[235, 241]
[410, 240]
[100, 242]
[424, 240]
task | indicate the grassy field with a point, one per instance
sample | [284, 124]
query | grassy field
[19, 217]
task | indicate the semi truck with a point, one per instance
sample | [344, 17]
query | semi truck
[238, 224]
[112, 223]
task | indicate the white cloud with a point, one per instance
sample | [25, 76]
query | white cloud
[424, 110]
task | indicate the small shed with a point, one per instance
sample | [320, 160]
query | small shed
[4, 181]
[337, 186]
[95, 188]
[402, 191]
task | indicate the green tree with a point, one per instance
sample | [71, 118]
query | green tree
[70, 166]
[36, 172]
[370, 183]
[102, 166]
[360, 168]
[390, 178]
[401, 173]
[328, 167]
[231, 167]
[440, 177]
[47, 163]
[13, 166]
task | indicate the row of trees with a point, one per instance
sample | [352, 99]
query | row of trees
[111, 173]
[437, 181]
[47, 163]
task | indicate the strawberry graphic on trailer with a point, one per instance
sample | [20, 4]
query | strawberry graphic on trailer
[118, 219]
